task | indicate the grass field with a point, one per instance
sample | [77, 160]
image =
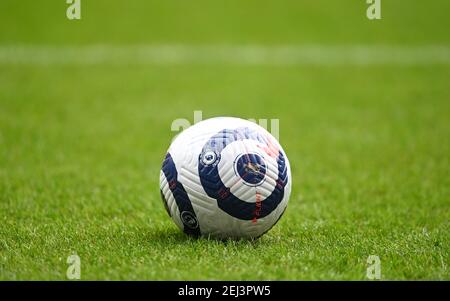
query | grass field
[86, 108]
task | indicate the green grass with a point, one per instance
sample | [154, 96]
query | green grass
[81, 145]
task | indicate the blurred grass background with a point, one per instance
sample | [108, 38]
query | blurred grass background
[81, 144]
[233, 21]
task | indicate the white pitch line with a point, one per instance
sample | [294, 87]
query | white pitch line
[226, 54]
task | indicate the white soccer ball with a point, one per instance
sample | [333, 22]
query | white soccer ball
[226, 178]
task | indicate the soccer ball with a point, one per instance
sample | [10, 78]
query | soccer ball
[225, 178]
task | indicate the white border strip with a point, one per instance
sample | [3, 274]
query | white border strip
[225, 54]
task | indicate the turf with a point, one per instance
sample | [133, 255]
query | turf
[81, 144]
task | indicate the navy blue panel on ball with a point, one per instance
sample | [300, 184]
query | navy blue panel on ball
[187, 214]
[251, 168]
[215, 188]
